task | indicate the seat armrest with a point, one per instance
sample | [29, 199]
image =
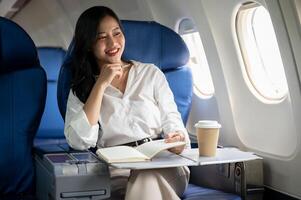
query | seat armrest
[40, 150]
[62, 172]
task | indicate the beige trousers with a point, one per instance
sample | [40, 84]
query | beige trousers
[159, 184]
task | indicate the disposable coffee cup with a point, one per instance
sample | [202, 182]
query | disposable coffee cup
[207, 132]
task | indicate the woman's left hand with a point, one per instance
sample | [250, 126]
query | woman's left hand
[175, 137]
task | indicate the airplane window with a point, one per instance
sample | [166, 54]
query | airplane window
[203, 85]
[258, 44]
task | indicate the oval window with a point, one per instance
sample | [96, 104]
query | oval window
[259, 48]
[202, 80]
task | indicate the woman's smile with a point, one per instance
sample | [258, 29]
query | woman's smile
[112, 52]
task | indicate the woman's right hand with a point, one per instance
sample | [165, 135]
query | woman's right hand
[108, 72]
[93, 104]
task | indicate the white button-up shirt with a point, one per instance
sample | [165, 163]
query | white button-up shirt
[145, 109]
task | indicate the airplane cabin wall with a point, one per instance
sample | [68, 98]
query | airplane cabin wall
[271, 130]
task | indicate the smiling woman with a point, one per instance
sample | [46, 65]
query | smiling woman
[108, 100]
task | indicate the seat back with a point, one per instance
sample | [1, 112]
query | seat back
[51, 130]
[22, 100]
[148, 42]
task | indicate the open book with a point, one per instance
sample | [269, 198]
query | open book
[143, 152]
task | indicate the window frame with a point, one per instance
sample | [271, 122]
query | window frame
[190, 28]
[246, 64]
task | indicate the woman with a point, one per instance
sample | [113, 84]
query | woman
[117, 102]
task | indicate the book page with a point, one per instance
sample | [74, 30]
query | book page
[150, 149]
[120, 154]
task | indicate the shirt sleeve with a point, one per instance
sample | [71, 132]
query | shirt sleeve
[170, 117]
[78, 131]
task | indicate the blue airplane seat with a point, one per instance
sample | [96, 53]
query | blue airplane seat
[51, 130]
[194, 192]
[151, 42]
[22, 100]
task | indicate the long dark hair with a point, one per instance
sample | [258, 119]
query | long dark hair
[84, 67]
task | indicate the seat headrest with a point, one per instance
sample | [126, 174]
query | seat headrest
[17, 50]
[151, 42]
[51, 59]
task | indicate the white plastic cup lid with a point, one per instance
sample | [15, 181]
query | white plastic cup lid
[207, 124]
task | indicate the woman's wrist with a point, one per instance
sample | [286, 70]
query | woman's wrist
[101, 85]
